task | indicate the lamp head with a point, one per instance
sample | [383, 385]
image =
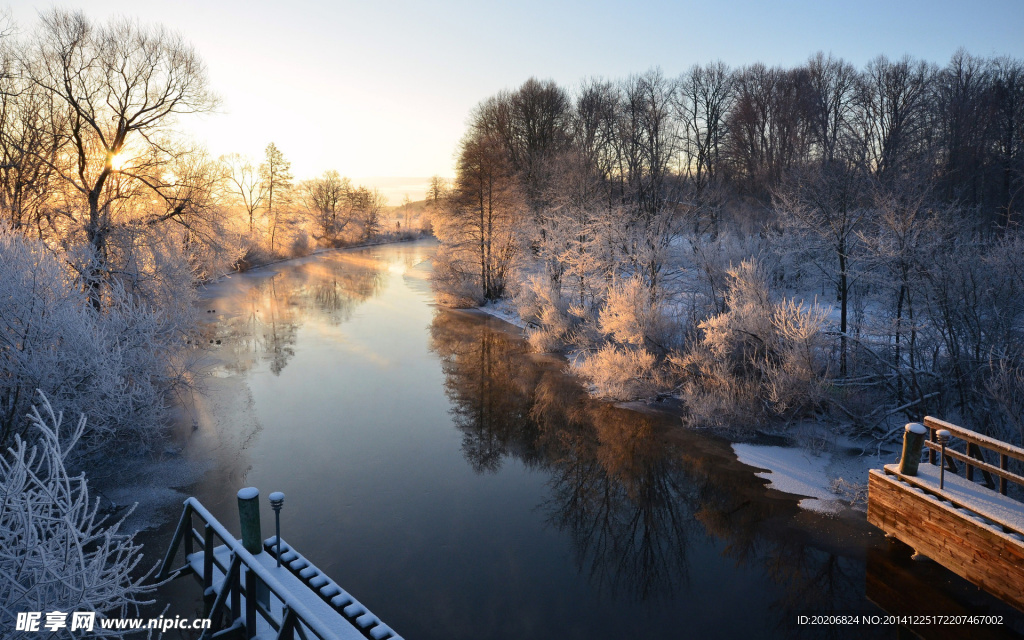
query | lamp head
[276, 500]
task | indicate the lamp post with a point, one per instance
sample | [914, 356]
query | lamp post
[276, 502]
[942, 436]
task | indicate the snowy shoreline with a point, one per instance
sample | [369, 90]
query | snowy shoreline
[828, 477]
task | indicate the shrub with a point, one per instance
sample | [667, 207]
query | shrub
[757, 360]
[618, 373]
[119, 361]
[56, 552]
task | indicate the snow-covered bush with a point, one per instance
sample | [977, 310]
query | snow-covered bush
[619, 373]
[758, 359]
[253, 254]
[302, 244]
[1004, 390]
[56, 551]
[454, 286]
[118, 362]
[156, 270]
[633, 316]
[547, 314]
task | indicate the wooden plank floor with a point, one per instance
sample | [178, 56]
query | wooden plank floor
[983, 554]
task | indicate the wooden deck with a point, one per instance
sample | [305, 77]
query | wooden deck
[972, 530]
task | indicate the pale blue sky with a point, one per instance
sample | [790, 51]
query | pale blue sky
[383, 89]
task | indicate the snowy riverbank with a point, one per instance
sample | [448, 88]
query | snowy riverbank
[829, 472]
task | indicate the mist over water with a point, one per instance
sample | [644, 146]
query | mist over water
[460, 486]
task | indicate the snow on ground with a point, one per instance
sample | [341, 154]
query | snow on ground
[152, 485]
[830, 471]
[814, 474]
[503, 310]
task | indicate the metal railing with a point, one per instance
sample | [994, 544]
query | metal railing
[243, 575]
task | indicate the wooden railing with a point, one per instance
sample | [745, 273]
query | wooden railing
[243, 575]
[973, 456]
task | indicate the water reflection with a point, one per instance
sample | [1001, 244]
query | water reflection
[625, 503]
[634, 496]
[263, 321]
[472, 489]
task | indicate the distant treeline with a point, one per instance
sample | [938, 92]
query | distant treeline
[673, 232]
[652, 139]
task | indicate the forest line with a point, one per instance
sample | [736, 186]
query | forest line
[766, 244]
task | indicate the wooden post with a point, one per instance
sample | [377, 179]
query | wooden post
[943, 436]
[250, 603]
[249, 518]
[913, 442]
[1004, 465]
[208, 592]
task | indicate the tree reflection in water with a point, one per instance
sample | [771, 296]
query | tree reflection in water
[634, 495]
[263, 320]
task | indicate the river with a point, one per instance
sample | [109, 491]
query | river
[462, 487]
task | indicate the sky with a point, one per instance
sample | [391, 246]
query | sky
[380, 91]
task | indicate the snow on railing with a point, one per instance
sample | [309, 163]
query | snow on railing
[330, 592]
[973, 458]
[243, 574]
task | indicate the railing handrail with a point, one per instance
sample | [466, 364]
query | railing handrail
[974, 437]
[296, 607]
[974, 459]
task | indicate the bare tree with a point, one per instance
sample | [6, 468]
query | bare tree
[437, 190]
[481, 218]
[121, 87]
[703, 98]
[649, 138]
[540, 123]
[892, 106]
[325, 200]
[767, 134]
[29, 143]
[364, 208]
[961, 101]
[246, 185]
[830, 100]
[1008, 105]
[825, 205]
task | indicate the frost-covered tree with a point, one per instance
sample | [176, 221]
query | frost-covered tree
[324, 199]
[276, 173]
[619, 241]
[481, 222]
[759, 359]
[244, 185]
[824, 206]
[57, 553]
[113, 92]
[118, 363]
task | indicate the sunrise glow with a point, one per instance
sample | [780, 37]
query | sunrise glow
[551, 318]
[118, 161]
